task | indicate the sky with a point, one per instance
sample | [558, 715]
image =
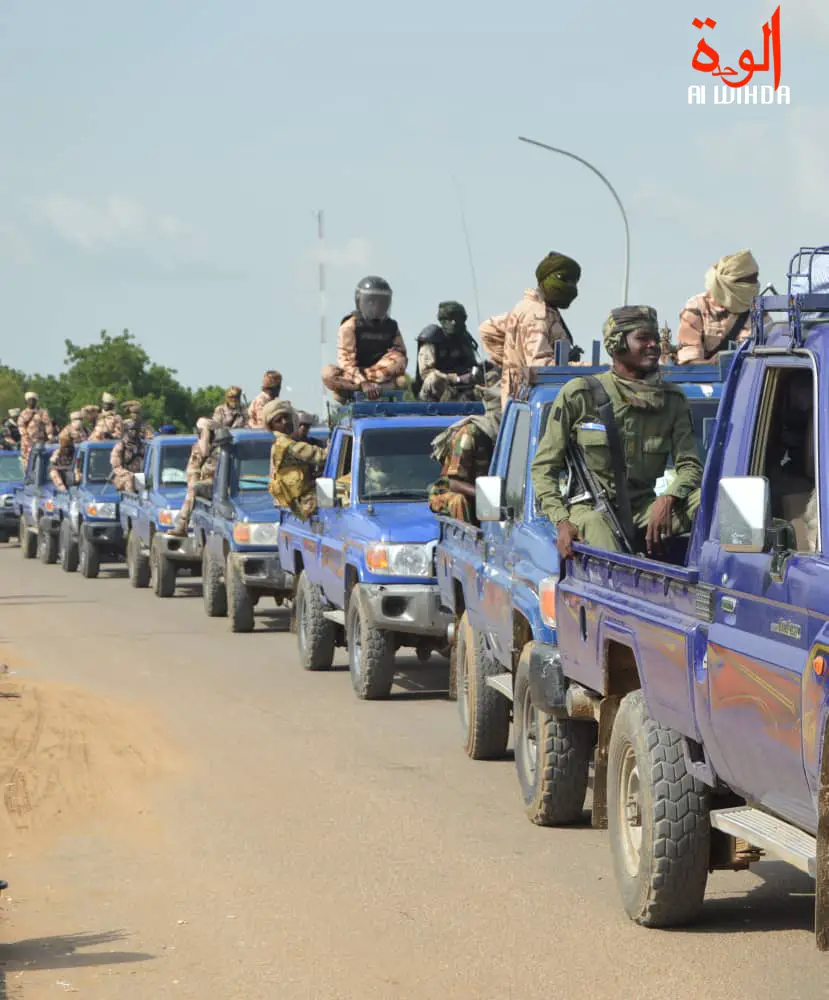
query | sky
[162, 165]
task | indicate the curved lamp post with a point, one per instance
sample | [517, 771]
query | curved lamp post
[618, 200]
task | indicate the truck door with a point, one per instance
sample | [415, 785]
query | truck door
[500, 561]
[332, 528]
[767, 607]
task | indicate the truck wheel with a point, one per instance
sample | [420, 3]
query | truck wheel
[138, 563]
[315, 635]
[213, 590]
[67, 548]
[28, 541]
[162, 570]
[239, 603]
[4, 537]
[484, 712]
[89, 559]
[658, 820]
[552, 758]
[370, 653]
[47, 544]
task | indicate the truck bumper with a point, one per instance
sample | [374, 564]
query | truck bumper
[179, 549]
[9, 520]
[406, 607]
[104, 534]
[263, 570]
[548, 685]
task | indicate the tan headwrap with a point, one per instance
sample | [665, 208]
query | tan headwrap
[722, 281]
[274, 408]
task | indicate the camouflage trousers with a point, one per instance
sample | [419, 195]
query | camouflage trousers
[344, 388]
[456, 505]
[183, 520]
[56, 476]
[123, 481]
[595, 530]
[437, 388]
[305, 507]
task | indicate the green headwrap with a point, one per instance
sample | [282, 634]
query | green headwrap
[625, 320]
[557, 278]
[451, 310]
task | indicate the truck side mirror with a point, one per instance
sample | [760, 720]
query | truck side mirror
[489, 498]
[744, 506]
[708, 425]
[140, 482]
[326, 493]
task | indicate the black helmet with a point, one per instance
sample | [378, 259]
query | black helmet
[372, 297]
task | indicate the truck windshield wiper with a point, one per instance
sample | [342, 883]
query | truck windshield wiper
[395, 495]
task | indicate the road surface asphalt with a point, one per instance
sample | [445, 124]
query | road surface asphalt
[189, 814]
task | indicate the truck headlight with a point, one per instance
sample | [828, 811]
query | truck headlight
[6, 499]
[167, 517]
[252, 533]
[399, 560]
[547, 600]
[102, 511]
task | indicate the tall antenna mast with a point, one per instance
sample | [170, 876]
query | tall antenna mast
[323, 307]
[468, 248]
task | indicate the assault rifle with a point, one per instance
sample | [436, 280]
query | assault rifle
[582, 487]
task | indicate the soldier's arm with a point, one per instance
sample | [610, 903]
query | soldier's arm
[550, 458]
[347, 351]
[690, 335]
[304, 451]
[458, 469]
[218, 416]
[115, 459]
[532, 338]
[392, 364]
[493, 335]
[684, 449]
[426, 359]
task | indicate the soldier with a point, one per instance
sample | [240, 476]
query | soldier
[231, 413]
[201, 468]
[718, 318]
[653, 417]
[304, 422]
[110, 426]
[127, 457]
[90, 414]
[371, 355]
[35, 426]
[294, 464]
[271, 387]
[133, 411]
[11, 432]
[667, 350]
[524, 337]
[446, 357]
[465, 451]
[60, 464]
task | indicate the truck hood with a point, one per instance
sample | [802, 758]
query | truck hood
[10, 487]
[399, 522]
[255, 506]
[102, 492]
[170, 496]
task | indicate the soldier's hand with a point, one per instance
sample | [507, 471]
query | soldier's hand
[567, 534]
[659, 523]
[371, 390]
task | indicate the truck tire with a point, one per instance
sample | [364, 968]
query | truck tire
[552, 759]
[370, 653]
[239, 602]
[315, 635]
[89, 559]
[47, 545]
[68, 554]
[484, 713]
[162, 570]
[213, 590]
[138, 563]
[658, 820]
[28, 541]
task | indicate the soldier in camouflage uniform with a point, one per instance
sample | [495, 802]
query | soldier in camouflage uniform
[654, 421]
[60, 464]
[447, 356]
[294, 464]
[11, 432]
[524, 337]
[720, 315]
[90, 414]
[465, 451]
[35, 426]
[110, 426]
[271, 387]
[127, 457]
[201, 468]
[231, 413]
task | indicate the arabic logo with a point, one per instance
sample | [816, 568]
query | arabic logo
[707, 59]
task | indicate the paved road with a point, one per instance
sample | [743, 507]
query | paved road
[208, 820]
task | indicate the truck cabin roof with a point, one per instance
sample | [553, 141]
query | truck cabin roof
[382, 411]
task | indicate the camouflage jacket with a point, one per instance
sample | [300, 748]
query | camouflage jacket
[294, 466]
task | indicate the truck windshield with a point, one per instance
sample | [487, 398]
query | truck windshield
[174, 464]
[11, 469]
[98, 467]
[397, 464]
[253, 465]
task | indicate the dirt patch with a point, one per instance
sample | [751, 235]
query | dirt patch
[71, 759]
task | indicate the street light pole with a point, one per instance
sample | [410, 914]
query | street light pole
[601, 176]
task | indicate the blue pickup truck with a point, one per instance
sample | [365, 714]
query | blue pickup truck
[35, 499]
[11, 481]
[235, 528]
[498, 580]
[147, 516]
[82, 530]
[364, 564]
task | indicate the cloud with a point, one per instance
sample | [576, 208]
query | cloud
[113, 222]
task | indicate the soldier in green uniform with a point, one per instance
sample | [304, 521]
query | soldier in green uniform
[465, 450]
[294, 464]
[654, 421]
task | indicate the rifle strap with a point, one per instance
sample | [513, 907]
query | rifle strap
[733, 333]
[604, 407]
